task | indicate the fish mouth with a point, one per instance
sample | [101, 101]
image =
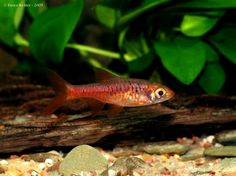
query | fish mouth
[170, 94]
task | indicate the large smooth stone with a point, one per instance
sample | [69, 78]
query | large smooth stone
[83, 159]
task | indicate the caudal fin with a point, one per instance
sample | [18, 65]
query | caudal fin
[61, 88]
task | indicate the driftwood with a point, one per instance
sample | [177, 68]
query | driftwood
[23, 126]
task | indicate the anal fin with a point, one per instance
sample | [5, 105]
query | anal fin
[55, 104]
[94, 105]
[114, 110]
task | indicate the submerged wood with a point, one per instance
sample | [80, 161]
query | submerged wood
[23, 125]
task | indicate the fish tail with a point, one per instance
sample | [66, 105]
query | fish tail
[61, 87]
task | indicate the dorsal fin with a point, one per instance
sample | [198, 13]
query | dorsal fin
[102, 75]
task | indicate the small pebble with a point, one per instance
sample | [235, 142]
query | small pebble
[225, 151]
[3, 162]
[226, 165]
[42, 166]
[41, 157]
[169, 147]
[193, 154]
[126, 166]
[209, 139]
[34, 173]
[112, 172]
[226, 136]
[223, 167]
[49, 162]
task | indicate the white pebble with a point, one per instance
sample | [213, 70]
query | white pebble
[42, 166]
[34, 173]
[112, 172]
[49, 162]
[3, 162]
[26, 163]
[136, 174]
[208, 139]
[218, 145]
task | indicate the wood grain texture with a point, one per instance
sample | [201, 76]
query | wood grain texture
[23, 125]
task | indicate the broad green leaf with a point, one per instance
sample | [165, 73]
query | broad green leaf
[51, 30]
[36, 7]
[207, 4]
[140, 63]
[144, 7]
[225, 42]
[211, 54]
[138, 56]
[107, 15]
[108, 12]
[195, 26]
[19, 14]
[213, 78]
[11, 12]
[182, 57]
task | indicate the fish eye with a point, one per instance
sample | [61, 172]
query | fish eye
[160, 92]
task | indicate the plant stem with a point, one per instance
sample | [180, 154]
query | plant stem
[90, 49]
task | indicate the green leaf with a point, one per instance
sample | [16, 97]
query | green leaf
[225, 42]
[19, 14]
[107, 15]
[195, 26]
[211, 54]
[11, 13]
[138, 64]
[138, 56]
[134, 13]
[108, 12]
[207, 4]
[36, 7]
[51, 30]
[182, 57]
[213, 78]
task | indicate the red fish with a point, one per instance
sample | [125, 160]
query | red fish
[118, 92]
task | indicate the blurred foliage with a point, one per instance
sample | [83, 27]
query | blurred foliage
[50, 32]
[190, 38]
